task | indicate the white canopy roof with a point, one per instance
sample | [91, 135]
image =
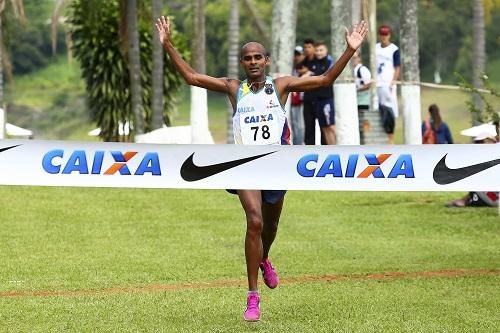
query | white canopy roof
[14, 130]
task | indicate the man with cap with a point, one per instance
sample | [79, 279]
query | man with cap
[388, 69]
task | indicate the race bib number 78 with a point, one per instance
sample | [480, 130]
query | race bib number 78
[260, 128]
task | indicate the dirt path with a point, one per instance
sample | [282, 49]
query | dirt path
[242, 283]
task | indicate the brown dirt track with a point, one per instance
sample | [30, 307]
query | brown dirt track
[241, 283]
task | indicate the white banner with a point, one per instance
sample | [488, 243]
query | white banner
[345, 168]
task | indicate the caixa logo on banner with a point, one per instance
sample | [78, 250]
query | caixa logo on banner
[311, 166]
[84, 163]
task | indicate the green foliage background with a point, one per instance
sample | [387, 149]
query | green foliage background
[99, 47]
[445, 31]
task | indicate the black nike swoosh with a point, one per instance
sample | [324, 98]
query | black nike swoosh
[191, 172]
[444, 175]
[7, 148]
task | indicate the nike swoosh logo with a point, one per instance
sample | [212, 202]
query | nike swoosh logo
[191, 172]
[444, 175]
[7, 148]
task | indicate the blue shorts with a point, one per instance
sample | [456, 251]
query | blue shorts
[268, 196]
[325, 112]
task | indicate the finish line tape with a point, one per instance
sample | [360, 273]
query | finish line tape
[456, 167]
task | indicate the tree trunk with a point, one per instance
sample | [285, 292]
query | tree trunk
[157, 77]
[283, 36]
[134, 66]
[410, 90]
[232, 60]
[371, 6]
[356, 11]
[478, 56]
[199, 108]
[199, 40]
[346, 106]
[2, 111]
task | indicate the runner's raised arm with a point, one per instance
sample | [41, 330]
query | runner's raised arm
[224, 85]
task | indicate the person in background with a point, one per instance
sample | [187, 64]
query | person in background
[483, 134]
[309, 64]
[362, 79]
[388, 69]
[323, 104]
[297, 108]
[435, 130]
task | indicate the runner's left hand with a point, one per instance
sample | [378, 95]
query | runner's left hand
[357, 35]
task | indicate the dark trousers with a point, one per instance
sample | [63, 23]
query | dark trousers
[310, 124]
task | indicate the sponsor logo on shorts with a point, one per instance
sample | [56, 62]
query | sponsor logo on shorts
[84, 163]
[312, 166]
[443, 175]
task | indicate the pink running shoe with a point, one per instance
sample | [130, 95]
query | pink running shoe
[252, 313]
[269, 274]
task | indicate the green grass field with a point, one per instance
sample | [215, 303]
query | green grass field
[183, 249]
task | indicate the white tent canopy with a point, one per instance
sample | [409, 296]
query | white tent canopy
[13, 130]
[123, 129]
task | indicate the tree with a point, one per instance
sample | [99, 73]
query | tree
[346, 110]
[199, 102]
[371, 9]
[261, 26]
[410, 90]
[479, 53]
[134, 64]
[18, 9]
[283, 36]
[232, 60]
[157, 77]
[98, 45]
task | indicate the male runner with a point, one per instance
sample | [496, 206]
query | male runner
[259, 95]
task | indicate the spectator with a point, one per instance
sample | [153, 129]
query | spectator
[362, 78]
[484, 134]
[388, 68]
[297, 118]
[323, 102]
[309, 63]
[435, 130]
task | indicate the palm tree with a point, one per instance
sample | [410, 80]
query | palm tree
[356, 11]
[199, 109]
[18, 9]
[101, 49]
[346, 110]
[157, 77]
[478, 54]
[370, 8]
[134, 64]
[283, 36]
[410, 90]
[232, 60]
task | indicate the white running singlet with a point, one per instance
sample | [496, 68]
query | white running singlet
[259, 118]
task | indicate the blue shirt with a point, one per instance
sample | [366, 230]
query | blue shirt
[443, 134]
